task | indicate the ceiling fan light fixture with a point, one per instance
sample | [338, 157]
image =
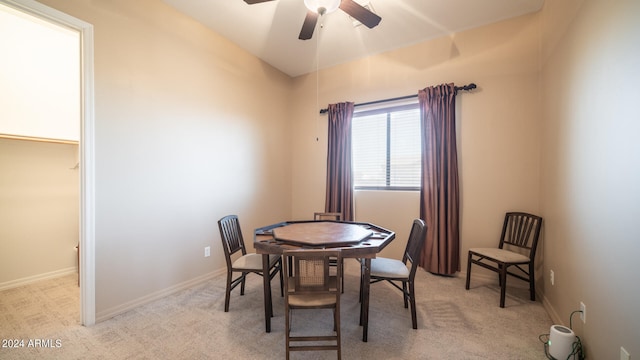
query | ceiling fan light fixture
[322, 6]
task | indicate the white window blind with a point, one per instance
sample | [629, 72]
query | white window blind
[386, 148]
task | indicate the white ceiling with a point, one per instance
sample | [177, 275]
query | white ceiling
[270, 30]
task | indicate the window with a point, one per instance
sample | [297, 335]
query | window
[386, 148]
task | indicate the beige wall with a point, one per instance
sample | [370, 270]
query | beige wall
[590, 173]
[39, 219]
[189, 128]
[498, 125]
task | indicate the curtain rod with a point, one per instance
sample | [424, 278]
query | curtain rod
[465, 88]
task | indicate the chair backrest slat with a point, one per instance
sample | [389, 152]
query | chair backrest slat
[521, 230]
[311, 270]
[336, 216]
[231, 234]
[311, 274]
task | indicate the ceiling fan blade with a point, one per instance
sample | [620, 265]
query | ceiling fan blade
[251, 2]
[360, 13]
[309, 25]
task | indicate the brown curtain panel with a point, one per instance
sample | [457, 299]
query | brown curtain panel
[439, 199]
[339, 194]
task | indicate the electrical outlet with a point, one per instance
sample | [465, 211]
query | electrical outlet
[624, 355]
[583, 314]
[207, 251]
[552, 277]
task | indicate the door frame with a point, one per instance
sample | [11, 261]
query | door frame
[86, 146]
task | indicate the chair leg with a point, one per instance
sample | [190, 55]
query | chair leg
[503, 284]
[412, 299]
[227, 293]
[281, 280]
[342, 272]
[532, 282]
[468, 271]
[361, 280]
[337, 326]
[406, 295]
[244, 277]
[287, 329]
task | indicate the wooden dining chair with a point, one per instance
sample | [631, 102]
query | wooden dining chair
[233, 244]
[516, 250]
[312, 287]
[398, 272]
[331, 216]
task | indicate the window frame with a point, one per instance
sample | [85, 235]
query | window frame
[387, 110]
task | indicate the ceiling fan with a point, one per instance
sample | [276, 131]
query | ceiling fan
[321, 7]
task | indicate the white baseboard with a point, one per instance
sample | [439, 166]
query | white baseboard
[31, 279]
[553, 314]
[120, 309]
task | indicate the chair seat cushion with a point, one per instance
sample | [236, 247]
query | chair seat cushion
[253, 262]
[389, 268]
[501, 255]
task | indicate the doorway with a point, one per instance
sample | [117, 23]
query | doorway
[86, 146]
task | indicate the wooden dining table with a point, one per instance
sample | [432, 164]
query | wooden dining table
[357, 240]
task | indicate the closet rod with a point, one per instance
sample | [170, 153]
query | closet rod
[38, 139]
[457, 88]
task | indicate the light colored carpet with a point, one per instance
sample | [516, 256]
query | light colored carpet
[453, 323]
